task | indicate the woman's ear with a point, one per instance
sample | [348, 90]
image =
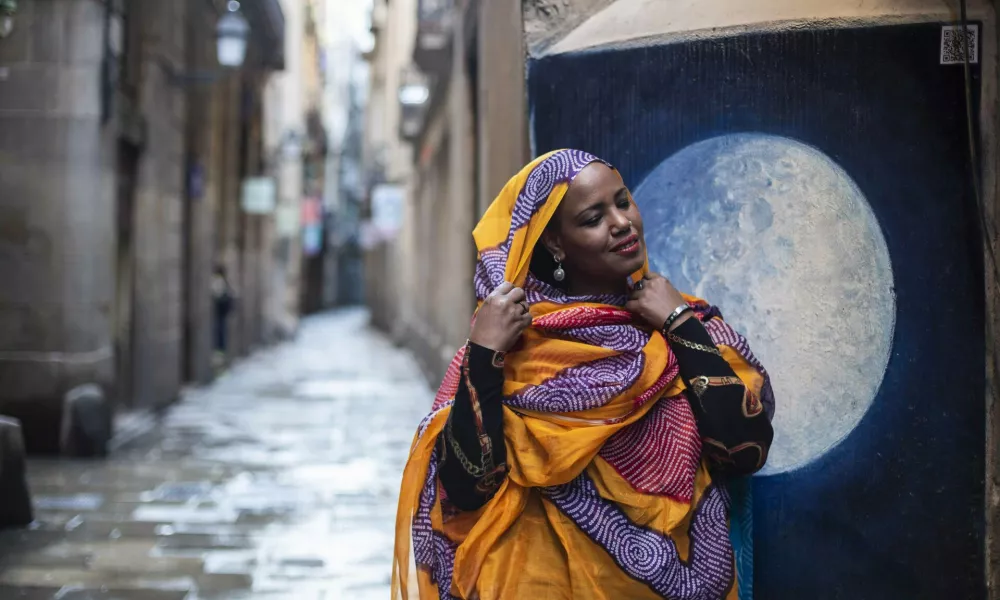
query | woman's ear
[553, 244]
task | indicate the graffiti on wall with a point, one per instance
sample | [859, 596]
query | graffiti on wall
[814, 185]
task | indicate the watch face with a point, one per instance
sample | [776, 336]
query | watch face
[498, 359]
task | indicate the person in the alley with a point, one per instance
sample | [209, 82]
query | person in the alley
[580, 445]
[223, 299]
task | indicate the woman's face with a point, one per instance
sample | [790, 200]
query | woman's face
[597, 231]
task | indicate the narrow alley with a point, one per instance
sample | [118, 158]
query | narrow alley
[241, 242]
[279, 481]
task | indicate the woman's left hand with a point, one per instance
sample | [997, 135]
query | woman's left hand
[655, 300]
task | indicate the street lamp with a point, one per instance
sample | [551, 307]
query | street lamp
[413, 96]
[231, 34]
[7, 10]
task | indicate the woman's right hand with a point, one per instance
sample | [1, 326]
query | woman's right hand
[501, 319]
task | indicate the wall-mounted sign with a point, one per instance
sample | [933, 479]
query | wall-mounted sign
[287, 220]
[259, 196]
[387, 210]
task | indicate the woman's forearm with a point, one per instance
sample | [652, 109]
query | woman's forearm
[473, 453]
[736, 434]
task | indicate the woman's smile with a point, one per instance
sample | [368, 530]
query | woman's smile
[630, 246]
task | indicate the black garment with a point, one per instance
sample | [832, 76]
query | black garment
[736, 433]
[486, 379]
[223, 302]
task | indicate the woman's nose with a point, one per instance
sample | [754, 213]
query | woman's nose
[620, 221]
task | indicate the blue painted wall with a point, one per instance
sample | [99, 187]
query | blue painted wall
[896, 510]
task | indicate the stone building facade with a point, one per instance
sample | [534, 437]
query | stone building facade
[451, 154]
[286, 144]
[119, 190]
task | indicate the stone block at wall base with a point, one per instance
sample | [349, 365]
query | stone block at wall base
[34, 393]
[86, 422]
[15, 498]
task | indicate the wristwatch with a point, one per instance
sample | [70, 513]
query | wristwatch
[680, 310]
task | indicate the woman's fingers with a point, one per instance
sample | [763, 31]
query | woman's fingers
[517, 300]
[503, 289]
[637, 292]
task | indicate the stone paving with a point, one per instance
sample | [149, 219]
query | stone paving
[277, 482]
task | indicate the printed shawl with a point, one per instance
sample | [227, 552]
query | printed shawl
[606, 494]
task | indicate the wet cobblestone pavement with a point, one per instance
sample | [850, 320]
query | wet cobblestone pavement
[277, 482]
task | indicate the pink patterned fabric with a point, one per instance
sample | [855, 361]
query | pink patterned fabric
[659, 454]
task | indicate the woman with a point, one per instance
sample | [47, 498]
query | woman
[222, 300]
[578, 444]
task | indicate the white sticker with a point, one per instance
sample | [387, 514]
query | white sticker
[953, 44]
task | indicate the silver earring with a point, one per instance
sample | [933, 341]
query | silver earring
[559, 274]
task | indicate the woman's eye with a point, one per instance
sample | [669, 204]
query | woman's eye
[592, 221]
[623, 203]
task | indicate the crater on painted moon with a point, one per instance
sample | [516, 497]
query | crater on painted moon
[781, 239]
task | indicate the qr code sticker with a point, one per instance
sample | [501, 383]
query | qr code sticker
[953, 44]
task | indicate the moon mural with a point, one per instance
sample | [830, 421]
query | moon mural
[780, 238]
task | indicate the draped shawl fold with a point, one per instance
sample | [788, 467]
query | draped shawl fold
[606, 495]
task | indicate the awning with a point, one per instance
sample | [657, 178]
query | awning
[267, 24]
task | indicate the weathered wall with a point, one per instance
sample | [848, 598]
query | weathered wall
[440, 216]
[159, 200]
[255, 250]
[791, 140]
[126, 307]
[203, 144]
[57, 234]
[390, 277]
[283, 137]
[547, 21]
[502, 145]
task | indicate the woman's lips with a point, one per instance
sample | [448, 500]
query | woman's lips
[629, 245]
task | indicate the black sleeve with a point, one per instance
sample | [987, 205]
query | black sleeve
[474, 456]
[736, 434]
